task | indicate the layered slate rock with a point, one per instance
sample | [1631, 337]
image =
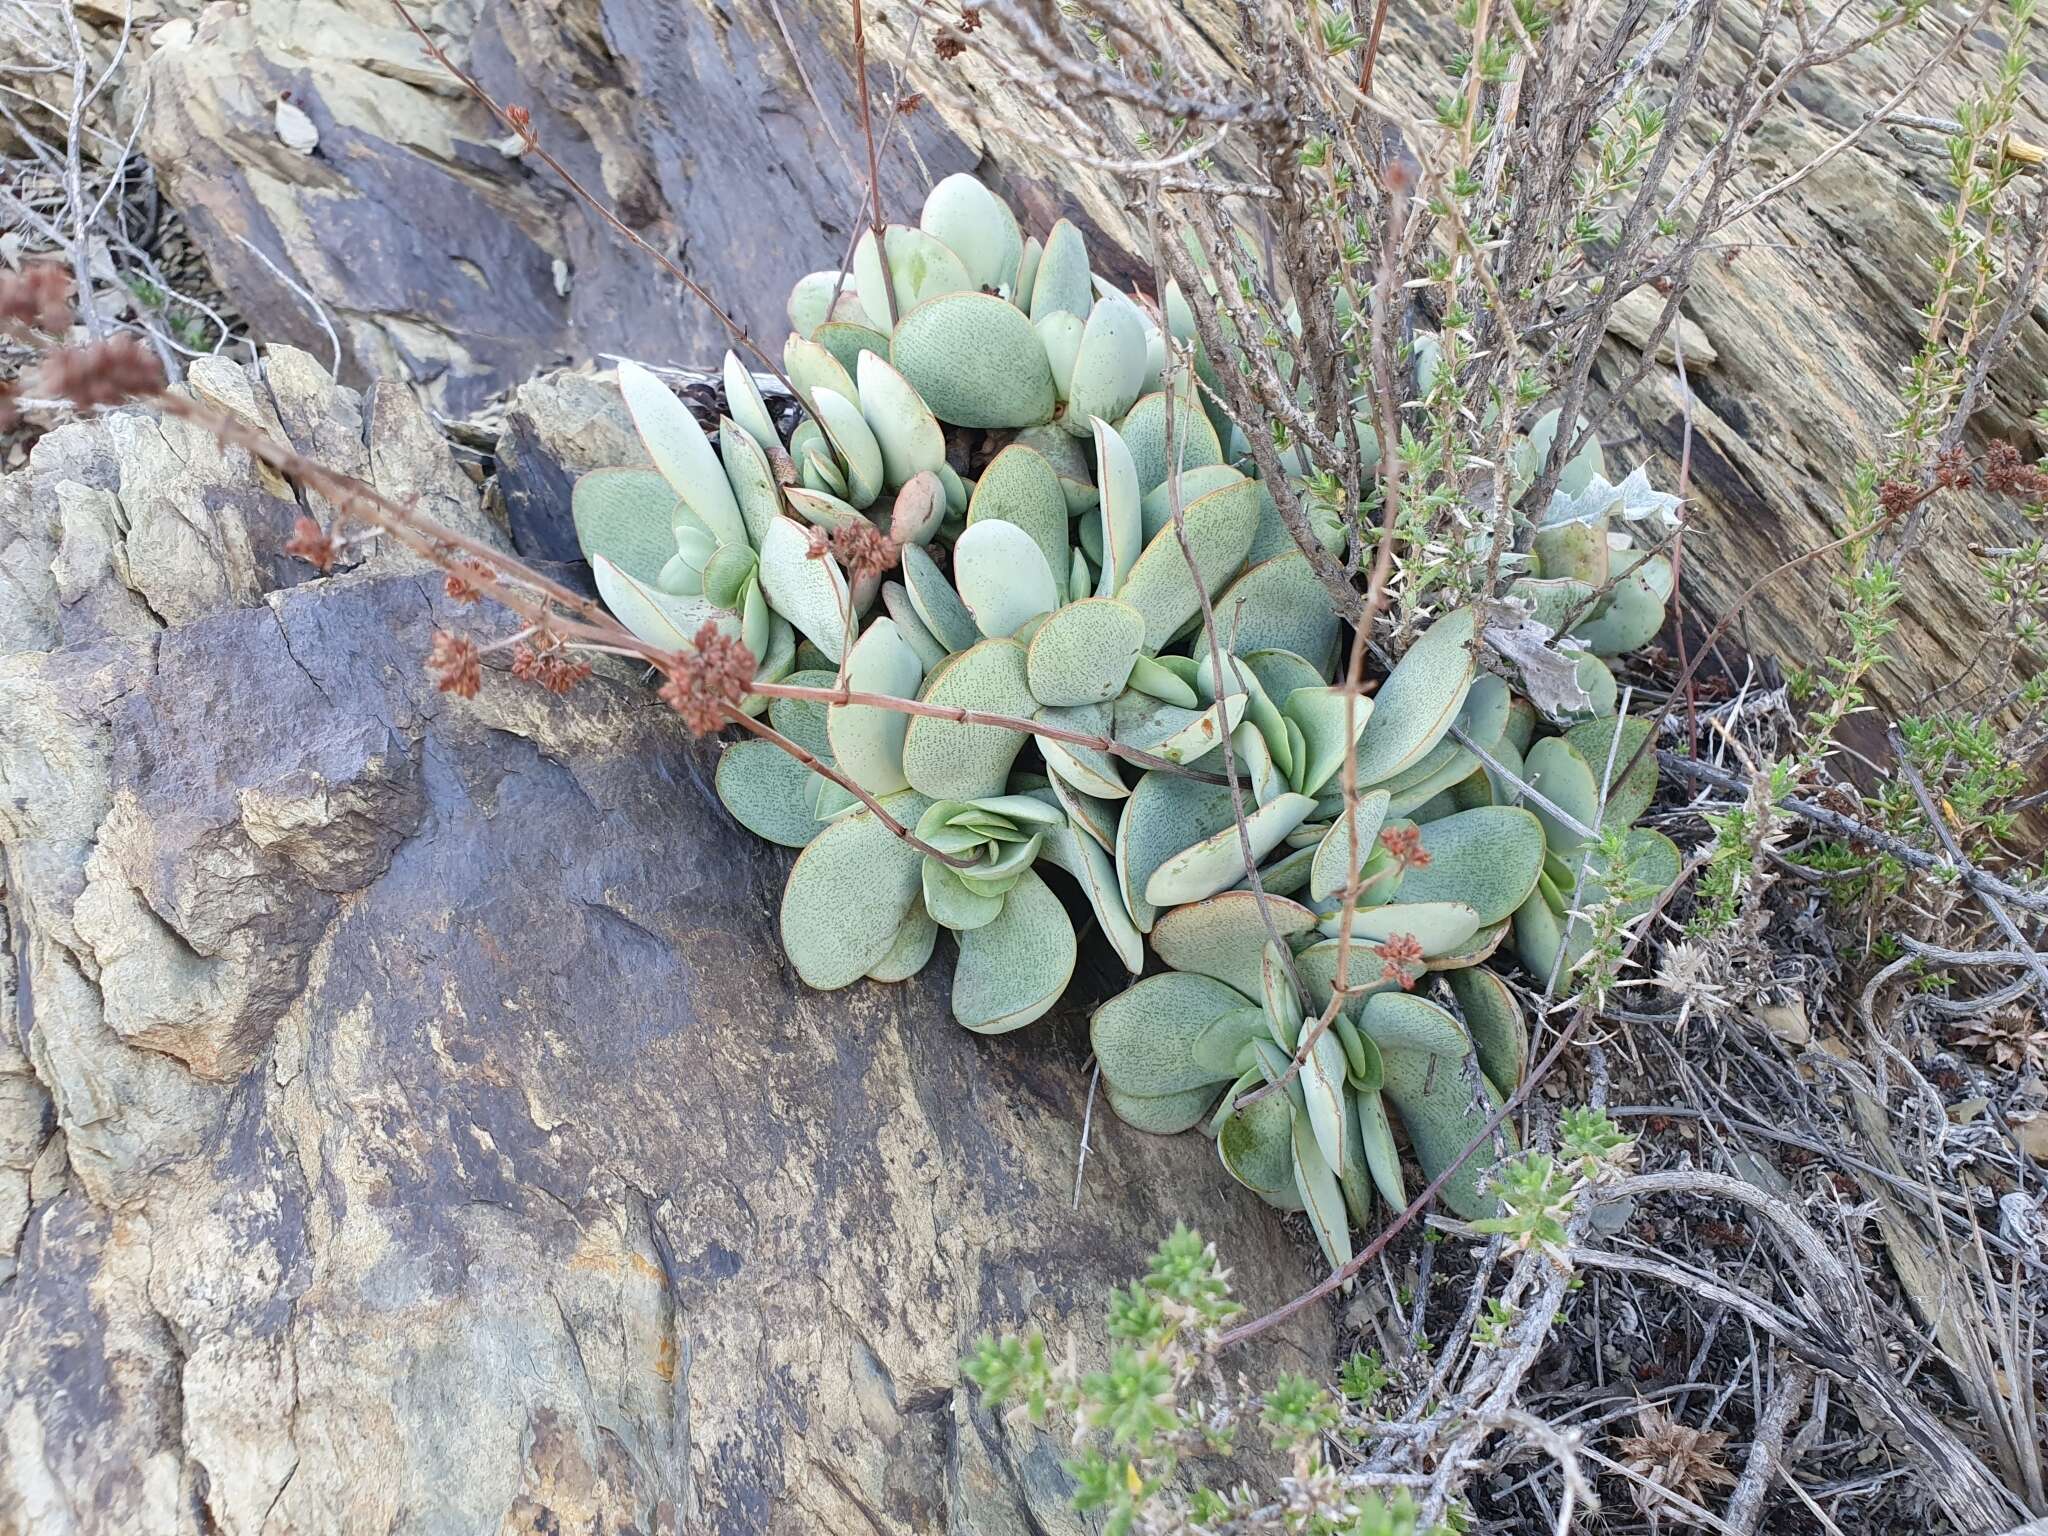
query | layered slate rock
[417, 1127]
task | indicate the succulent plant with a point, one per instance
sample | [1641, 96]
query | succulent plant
[995, 419]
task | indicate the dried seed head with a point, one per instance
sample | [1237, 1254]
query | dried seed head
[863, 550]
[949, 46]
[309, 542]
[465, 583]
[1952, 468]
[455, 665]
[1898, 497]
[38, 297]
[706, 683]
[101, 372]
[2006, 475]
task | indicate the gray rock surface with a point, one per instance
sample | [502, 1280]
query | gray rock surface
[408, 1122]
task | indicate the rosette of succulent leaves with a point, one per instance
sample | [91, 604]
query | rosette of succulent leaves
[1001, 413]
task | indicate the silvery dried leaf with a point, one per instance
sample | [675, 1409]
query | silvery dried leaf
[1549, 670]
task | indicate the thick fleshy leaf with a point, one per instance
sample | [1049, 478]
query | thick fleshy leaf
[1382, 1158]
[920, 267]
[1083, 652]
[849, 342]
[977, 226]
[768, 792]
[1120, 508]
[1167, 1115]
[951, 761]
[818, 296]
[626, 515]
[1089, 770]
[1438, 926]
[867, 740]
[1163, 811]
[1071, 461]
[751, 478]
[681, 451]
[860, 456]
[1219, 530]
[936, 602]
[1223, 1046]
[1013, 970]
[1194, 441]
[1002, 577]
[1322, 1197]
[1062, 279]
[1575, 549]
[1420, 698]
[976, 361]
[1633, 612]
[1168, 731]
[1216, 863]
[1557, 770]
[1145, 1037]
[1322, 1087]
[1317, 968]
[1083, 857]
[1487, 858]
[1060, 334]
[1279, 605]
[1256, 1145]
[849, 893]
[1629, 790]
[1425, 1052]
[1194, 484]
[915, 941]
[1551, 602]
[1019, 487]
[1330, 719]
[748, 410]
[908, 435]
[896, 600]
[803, 720]
[1109, 371]
[1155, 679]
[1027, 274]
[1334, 862]
[812, 367]
[656, 617]
[953, 903]
[811, 594]
[1494, 1021]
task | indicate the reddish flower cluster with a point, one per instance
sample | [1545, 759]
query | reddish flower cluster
[861, 549]
[1952, 469]
[455, 665]
[1405, 844]
[465, 583]
[309, 542]
[2007, 475]
[101, 372]
[1898, 497]
[548, 663]
[37, 297]
[1402, 954]
[706, 683]
[949, 47]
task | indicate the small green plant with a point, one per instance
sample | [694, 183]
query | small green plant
[1142, 1422]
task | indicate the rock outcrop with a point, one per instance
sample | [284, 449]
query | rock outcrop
[727, 136]
[408, 1121]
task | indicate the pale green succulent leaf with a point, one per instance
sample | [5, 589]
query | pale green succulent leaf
[1425, 1053]
[1161, 814]
[1195, 444]
[626, 515]
[915, 941]
[849, 893]
[909, 437]
[950, 760]
[1335, 863]
[955, 904]
[867, 739]
[1084, 652]
[1420, 698]
[1487, 858]
[1225, 936]
[680, 450]
[1109, 370]
[1322, 1197]
[1088, 770]
[1145, 1038]
[1279, 605]
[1002, 577]
[1013, 970]
[1216, 863]
[1161, 586]
[1019, 487]
[768, 792]
[1062, 280]
[977, 226]
[810, 593]
[976, 362]
[937, 604]
[1493, 1018]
